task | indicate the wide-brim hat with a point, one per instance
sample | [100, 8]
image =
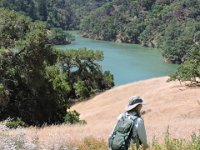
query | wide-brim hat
[133, 102]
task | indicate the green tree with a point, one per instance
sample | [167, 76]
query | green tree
[38, 82]
[13, 27]
[59, 37]
[81, 89]
[23, 78]
[32, 87]
[42, 9]
[190, 69]
[197, 37]
[84, 74]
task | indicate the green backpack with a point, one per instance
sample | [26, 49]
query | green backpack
[120, 138]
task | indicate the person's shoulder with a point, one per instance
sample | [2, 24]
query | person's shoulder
[139, 120]
[133, 117]
[120, 116]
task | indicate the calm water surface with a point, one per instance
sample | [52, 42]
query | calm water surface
[127, 62]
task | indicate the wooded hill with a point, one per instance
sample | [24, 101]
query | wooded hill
[173, 26]
[65, 14]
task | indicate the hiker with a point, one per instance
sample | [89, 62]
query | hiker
[129, 128]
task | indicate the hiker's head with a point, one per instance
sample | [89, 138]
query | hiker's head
[135, 104]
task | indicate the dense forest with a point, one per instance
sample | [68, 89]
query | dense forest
[39, 83]
[173, 26]
[65, 14]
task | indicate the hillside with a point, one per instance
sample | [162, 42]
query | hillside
[168, 104]
[173, 26]
[65, 14]
[170, 25]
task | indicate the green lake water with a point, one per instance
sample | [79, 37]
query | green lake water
[127, 62]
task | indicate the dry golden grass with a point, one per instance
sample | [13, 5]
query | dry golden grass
[168, 104]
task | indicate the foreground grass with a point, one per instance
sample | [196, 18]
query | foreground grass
[168, 144]
[20, 142]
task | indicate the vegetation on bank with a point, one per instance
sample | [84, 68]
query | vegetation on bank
[190, 70]
[38, 84]
[57, 36]
[173, 26]
[65, 14]
[55, 13]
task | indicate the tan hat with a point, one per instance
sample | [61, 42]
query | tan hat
[133, 102]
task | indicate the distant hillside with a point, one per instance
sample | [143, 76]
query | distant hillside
[173, 26]
[65, 14]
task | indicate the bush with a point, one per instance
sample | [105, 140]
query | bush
[190, 69]
[59, 37]
[81, 90]
[15, 123]
[72, 117]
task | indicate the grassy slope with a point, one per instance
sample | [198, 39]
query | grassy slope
[169, 104]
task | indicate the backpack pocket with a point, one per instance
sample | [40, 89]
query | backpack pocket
[118, 142]
[120, 139]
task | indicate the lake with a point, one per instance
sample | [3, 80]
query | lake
[127, 62]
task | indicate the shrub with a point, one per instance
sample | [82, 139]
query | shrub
[190, 69]
[15, 123]
[72, 117]
[81, 90]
